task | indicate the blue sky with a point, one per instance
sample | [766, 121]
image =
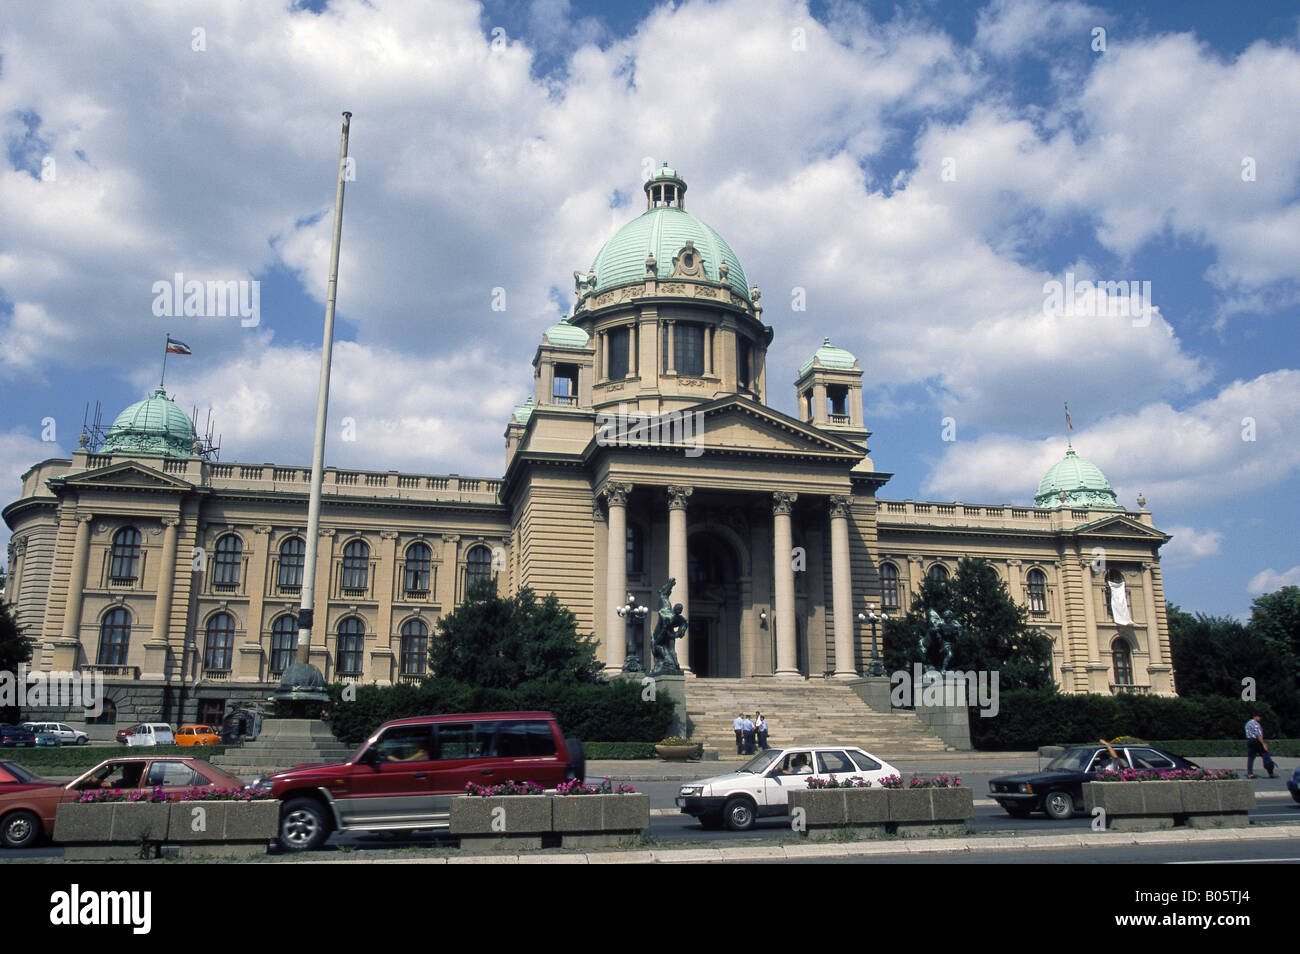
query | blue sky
[919, 171]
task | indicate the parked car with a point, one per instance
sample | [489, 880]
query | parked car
[66, 734]
[151, 733]
[15, 736]
[404, 776]
[197, 735]
[1058, 789]
[761, 787]
[27, 809]
[124, 734]
[47, 740]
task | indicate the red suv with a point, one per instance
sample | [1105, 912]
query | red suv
[405, 775]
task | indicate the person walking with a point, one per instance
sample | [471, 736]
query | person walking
[739, 725]
[1256, 746]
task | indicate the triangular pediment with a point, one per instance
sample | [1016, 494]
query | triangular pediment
[127, 475]
[1119, 525]
[735, 425]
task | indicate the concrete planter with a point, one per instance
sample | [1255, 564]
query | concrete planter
[226, 822]
[599, 820]
[111, 823]
[139, 829]
[884, 810]
[1142, 806]
[501, 821]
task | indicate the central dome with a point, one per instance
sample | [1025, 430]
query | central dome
[663, 231]
[152, 426]
[1075, 482]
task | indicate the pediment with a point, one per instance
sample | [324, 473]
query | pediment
[127, 475]
[1119, 526]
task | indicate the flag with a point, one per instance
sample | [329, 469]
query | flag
[177, 347]
[1067, 416]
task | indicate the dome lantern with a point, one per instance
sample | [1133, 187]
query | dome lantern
[665, 189]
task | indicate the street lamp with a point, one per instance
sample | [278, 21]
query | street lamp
[632, 656]
[877, 668]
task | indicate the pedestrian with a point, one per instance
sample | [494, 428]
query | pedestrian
[760, 730]
[1256, 746]
[739, 725]
[748, 733]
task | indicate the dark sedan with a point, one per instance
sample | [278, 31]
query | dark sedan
[15, 736]
[1057, 790]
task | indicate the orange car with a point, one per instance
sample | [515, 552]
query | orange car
[197, 735]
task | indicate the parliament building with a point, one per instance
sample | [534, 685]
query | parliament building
[647, 450]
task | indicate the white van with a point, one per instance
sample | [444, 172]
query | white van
[66, 733]
[152, 733]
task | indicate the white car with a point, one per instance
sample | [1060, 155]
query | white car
[67, 735]
[152, 733]
[761, 787]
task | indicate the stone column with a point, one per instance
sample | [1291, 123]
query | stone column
[602, 355]
[77, 581]
[1153, 623]
[842, 589]
[783, 577]
[1089, 610]
[671, 359]
[678, 567]
[616, 575]
[162, 607]
[1014, 582]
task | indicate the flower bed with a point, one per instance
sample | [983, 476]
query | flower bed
[1143, 800]
[922, 806]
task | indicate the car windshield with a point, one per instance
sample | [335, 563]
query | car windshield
[759, 763]
[1072, 760]
[19, 773]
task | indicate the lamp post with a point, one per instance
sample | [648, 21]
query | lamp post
[877, 668]
[632, 657]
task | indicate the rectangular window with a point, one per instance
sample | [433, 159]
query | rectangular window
[744, 364]
[688, 349]
[566, 385]
[465, 740]
[617, 343]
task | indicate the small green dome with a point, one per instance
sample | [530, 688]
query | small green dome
[522, 412]
[829, 356]
[1084, 485]
[564, 335]
[663, 231]
[152, 426]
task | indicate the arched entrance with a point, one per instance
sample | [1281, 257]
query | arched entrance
[713, 569]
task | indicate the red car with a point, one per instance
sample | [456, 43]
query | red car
[405, 775]
[28, 804]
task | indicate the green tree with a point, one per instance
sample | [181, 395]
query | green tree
[1276, 618]
[14, 650]
[496, 642]
[996, 635]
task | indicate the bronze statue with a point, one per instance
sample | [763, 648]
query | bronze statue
[938, 640]
[670, 628]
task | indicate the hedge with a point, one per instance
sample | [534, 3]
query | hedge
[619, 750]
[75, 759]
[1027, 719]
[593, 712]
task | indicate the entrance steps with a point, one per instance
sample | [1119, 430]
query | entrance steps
[813, 712]
[284, 743]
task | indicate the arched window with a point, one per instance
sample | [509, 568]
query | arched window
[1036, 590]
[226, 561]
[115, 635]
[219, 647]
[125, 563]
[415, 648]
[478, 565]
[356, 565]
[419, 561]
[293, 554]
[351, 642]
[1122, 658]
[938, 573]
[635, 549]
[888, 586]
[284, 642]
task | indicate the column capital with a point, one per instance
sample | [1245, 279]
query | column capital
[838, 504]
[326, 532]
[387, 534]
[616, 493]
[261, 529]
[677, 496]
[1014, 562]
[19, 545]
[451, 538]
[783, 503]
[85, 518]
[171, 521]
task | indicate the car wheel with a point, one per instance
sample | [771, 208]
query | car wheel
[1058, 805]
[1296, 796]
[83, 740]
[739, 814]
[20, 830]
[302, 825]
[1017, 811]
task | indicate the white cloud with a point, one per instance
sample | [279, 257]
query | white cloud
[1008, 28]
[19, 451]
[1269, 581]
[1189, 544]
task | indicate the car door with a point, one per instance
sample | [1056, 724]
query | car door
[388, 787]
[465, 754]
[1148, 758]
[837, 762]
[787, 775]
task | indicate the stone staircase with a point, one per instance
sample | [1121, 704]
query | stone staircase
[802, 713]
[282, 744]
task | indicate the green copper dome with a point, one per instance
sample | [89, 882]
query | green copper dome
[829, 356]
[1084, 485]
[663, 231]
[523, 412]
[152, 426]
[564, 335]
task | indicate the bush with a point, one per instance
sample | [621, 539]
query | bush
[598, 712]
[1029, 718]
[621, 750]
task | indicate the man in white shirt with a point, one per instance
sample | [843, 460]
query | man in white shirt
[739, 725]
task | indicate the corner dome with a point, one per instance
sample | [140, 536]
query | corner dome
[152, 426]
[829, 356]
[564, 335]
[522, 412]
[1082, 482]
[663, 230]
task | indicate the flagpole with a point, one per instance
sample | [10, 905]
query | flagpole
[163, 377]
